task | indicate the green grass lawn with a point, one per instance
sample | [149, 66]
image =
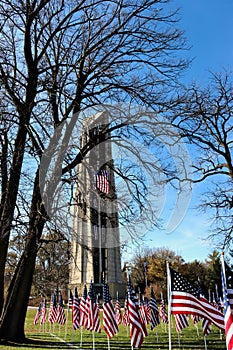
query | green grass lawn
[63, 337]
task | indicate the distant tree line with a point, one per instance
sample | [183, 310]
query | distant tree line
[148, 268]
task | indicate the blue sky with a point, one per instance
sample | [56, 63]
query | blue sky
[208, 28]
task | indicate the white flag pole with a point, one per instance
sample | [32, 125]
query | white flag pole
[93, 340]
[81, 336]
[205, 342]
[156, 333]
[67, 316]
[169, 305]
[196, 326]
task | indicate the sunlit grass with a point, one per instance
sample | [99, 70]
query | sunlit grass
[64, 337]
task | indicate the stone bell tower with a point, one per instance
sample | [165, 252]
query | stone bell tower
[95, 246]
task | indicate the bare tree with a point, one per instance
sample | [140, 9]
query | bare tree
[206, 122]
[56, 59]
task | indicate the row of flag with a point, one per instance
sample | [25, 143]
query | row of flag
[184, 300]
[136, 314]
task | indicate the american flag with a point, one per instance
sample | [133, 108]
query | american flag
[186, 299]
[118, 311]
[102, 181]
[70, 300]
[136, 331]
[61, 318]
[227, 289]
[83, 308]
[147, 309]
[38, 314]
[75, 310]
[109, 317]
[195, 319]
[206, 326]
[93, 315]
[142, 314]
[53, 309]
[154, 311]
[163, 311]
[125, 317]
[43, 313]
[181, 322]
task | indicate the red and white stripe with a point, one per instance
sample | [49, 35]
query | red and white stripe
[118, 311]
[75, 312]
[186, 303]
[181, 322]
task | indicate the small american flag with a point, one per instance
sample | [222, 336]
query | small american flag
[43, 313]
[163, 311]
[83, 308]
[93, 315]
[181, 322]
[118, 311]
[38, 314]
[142, 314]
[154, 316]
[75, 310]
[70, 300]
[61, 318]
[109, 317]
[102, 181]
[195, 319]
[136, 331]
[53, 310]
[206, 326]
[227, 289]
[125, 317]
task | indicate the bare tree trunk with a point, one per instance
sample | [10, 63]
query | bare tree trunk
[9, 202]
[15, 307]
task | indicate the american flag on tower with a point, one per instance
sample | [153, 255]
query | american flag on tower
[109, 317]
[227, 289]
[102, 181]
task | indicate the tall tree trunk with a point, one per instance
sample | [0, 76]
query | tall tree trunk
[8, 203]
[15, 307]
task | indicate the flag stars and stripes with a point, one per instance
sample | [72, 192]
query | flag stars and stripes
[102, 181]
[61, 318]
[186, 299]
[75, 310]
[136, 331]
[38, 314]
[109, 317]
